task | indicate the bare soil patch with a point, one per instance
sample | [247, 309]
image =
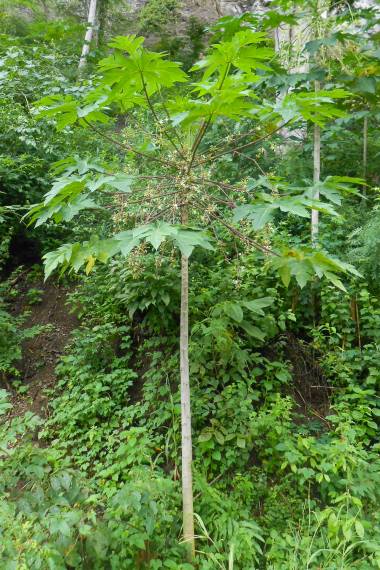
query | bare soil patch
[41, 353]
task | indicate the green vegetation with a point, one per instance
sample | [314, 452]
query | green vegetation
[172, 195]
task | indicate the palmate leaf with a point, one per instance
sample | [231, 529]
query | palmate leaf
[259, 214]
[60, 256]
[233, 102]
[139, 70]
[241, 52]
[71, 164]
[65, 187]
[155, 234]
[315, 106]
[130, 44]
[65, 191]
[66, 110]
[304, 264]
[187, 240]
[333, 187]
[60, 211]
[77, 255]
[70, 194]
[262, 211]
[120, 182]
[70, 210]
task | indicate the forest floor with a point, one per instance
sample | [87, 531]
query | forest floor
[41, 353]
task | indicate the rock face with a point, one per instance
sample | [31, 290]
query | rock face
[227, 7]
[209, 9]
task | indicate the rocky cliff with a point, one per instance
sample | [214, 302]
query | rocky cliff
[208, 9]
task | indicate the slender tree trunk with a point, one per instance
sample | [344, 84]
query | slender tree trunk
[316, 177]
[365, 151]
[89, 34]
[187, 451]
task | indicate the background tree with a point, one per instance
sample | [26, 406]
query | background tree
[91, 21]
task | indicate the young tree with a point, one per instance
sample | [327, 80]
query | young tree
[171, 185]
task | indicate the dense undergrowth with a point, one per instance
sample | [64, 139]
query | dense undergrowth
[285, 381]
[274, 480]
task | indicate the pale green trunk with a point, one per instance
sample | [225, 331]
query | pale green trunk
[187, 452]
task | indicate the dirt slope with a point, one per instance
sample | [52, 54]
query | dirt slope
[41, 353]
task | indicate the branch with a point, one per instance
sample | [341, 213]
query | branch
[127, 147]
[242, 236]
[233, 139]
[217, 183]
[244, 146]
[157, 119]
[206, 124]
[148, 199]
[160, 212]
[169, 120]
[251, 160]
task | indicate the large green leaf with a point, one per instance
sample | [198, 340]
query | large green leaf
[262, 210]
[259, 214]
[315, 106]
[307, 263]
[187, 240]
[257, 305]
[252, 330]
[66, 110]
[139, 71]
[76, 255]
[60, 256]
[233, 310]
[241, 52]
